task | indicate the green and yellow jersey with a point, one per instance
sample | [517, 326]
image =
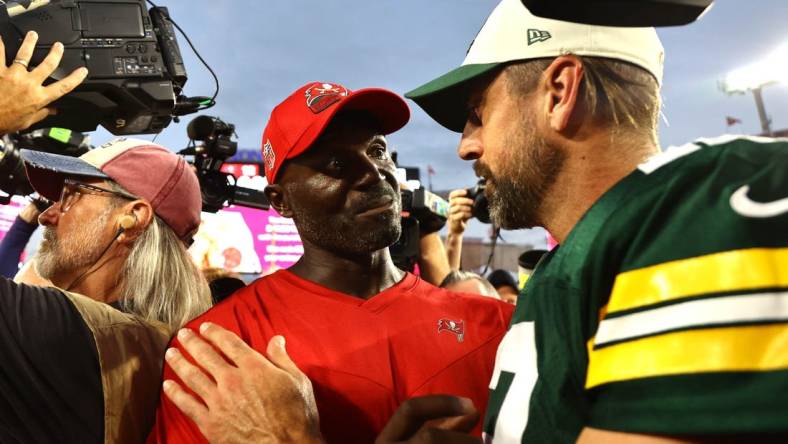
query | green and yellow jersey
[665, 310]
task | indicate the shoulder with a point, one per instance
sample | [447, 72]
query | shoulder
[247, 303]
[482, 307]
[718, 195]
[39, 314]
[697, 257]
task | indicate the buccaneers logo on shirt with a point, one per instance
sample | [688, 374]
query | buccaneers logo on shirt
[321, 96]
[456, 327]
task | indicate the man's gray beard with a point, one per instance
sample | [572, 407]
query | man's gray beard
[56, 257]
[519, 189]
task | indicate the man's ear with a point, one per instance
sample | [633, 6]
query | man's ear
[276, 197]
[141, 213]
[564, 79]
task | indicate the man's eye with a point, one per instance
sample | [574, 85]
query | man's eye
[474, 116]
[379, 152]
[335, 163]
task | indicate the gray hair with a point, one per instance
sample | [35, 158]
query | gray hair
[456, 276]
[618, 94]
[159, 280]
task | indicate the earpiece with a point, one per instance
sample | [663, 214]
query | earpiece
[126, 221]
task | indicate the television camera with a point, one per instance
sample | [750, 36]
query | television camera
[136, 72]
[217, 146]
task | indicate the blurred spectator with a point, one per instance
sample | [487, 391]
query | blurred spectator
[526, 264]
[222, 282]
[469, 282]
[460, 211]
[505, 284]
[17, 237]
[433, 263]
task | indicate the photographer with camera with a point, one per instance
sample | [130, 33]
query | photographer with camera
[367, 334]
[82, 360]
[23, 98]
[460, 212]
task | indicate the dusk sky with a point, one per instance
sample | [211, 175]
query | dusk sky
[264, 50]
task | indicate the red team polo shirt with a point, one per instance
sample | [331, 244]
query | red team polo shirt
[364, 357]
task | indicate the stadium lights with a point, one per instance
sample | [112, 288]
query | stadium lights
[771, 70]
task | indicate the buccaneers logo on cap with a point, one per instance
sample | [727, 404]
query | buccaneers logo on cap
[456, 327]
[269, 157]
[319, 97]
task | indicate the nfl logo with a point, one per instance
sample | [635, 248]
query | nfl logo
[269, 157]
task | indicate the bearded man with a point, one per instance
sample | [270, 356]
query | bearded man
[82, 360]
[658, 317]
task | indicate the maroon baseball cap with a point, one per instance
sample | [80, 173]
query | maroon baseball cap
[300, 119]
[146, 170]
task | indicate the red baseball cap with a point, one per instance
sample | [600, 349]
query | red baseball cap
[145, 169]
[300, 119]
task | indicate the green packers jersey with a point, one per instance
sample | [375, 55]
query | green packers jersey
[665, 310]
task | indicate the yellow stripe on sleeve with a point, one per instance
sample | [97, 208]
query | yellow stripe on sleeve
[733, 348]
[734, 270]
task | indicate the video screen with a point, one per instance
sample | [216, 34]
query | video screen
[246, 240]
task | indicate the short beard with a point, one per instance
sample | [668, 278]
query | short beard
[518, 190]
[60, 257]
[344, 237]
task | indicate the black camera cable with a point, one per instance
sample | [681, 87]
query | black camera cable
[204, 102]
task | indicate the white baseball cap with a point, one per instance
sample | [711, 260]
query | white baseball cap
[512, 33]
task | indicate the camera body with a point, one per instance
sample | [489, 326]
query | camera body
[429, 209]
[481, 207]
[216, 187]
[13, 180]
[136, 73]
[426, 212]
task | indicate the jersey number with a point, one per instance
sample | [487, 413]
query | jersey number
[513, 380]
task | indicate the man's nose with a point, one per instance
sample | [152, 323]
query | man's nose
[370, 172]
[470, 147]
[50, 216]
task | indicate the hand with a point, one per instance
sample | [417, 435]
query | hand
[460, 210]
[248, 399]
[30, 214]
[23, 99]
[431, 419]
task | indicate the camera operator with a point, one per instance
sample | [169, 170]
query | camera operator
[82, 360]
[460, 212]
[368, 335]
[23, 98]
